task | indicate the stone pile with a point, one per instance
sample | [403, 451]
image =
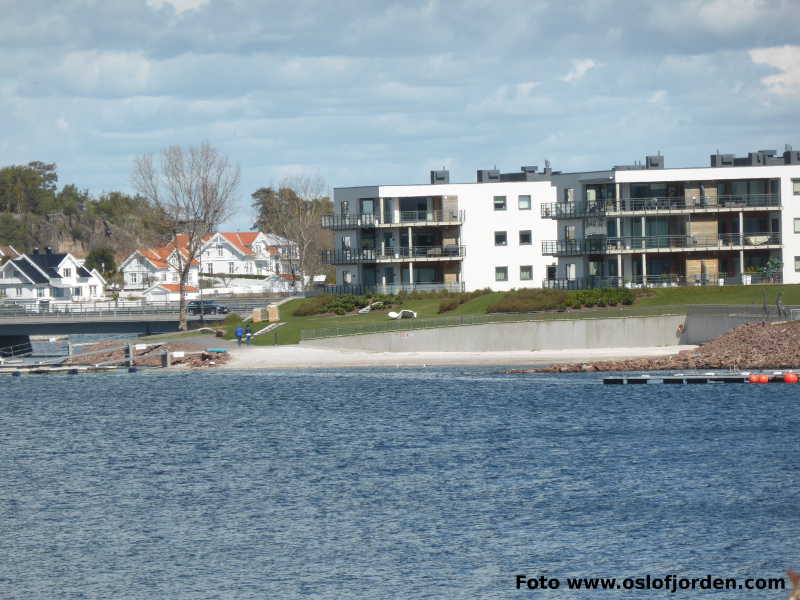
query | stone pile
[151, 357]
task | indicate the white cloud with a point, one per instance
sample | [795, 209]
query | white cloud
[787, 60]
[179, 6]
[580, 67]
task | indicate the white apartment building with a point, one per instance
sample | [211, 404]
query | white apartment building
[49, 278]
[442, 235]
[736, 221]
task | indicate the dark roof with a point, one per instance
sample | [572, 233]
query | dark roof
[48, 262]
[30, 271]
[83, 272]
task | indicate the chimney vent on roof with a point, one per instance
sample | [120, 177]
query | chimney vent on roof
[488, 175]
[49, 249]
[442, 176]
[36, 250]
[654, 162]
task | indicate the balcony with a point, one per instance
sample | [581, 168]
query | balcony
[404, 218]
[574, 247]
[693, 243]
[417, 253]
[349, 221]
[682, 205]
[670, 280]
[571, 210]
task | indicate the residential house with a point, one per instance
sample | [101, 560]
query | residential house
[49, 277]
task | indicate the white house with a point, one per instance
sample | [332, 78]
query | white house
[224, 256]
[442, 235]
[49, 278]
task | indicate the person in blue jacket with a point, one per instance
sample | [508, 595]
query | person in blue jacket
[248, 333]
[239, 334]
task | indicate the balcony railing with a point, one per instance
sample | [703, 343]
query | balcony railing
[348, 257]
[573, 247]
[668, 280]
[349, 221]
[420, 217]
[724, 241]
[683, 204]
[571, 210]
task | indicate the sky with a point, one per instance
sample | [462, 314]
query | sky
[371, 92]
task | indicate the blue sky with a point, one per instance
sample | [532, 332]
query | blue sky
[365, 92]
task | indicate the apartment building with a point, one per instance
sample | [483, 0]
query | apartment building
[736, 221]
[442, 235]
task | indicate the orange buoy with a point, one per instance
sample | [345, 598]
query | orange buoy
[790, 377]
[753, 378]
[763, 378]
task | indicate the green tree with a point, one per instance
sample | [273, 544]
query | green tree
[103, 260]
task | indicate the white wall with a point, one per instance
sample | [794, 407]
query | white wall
[481, 222]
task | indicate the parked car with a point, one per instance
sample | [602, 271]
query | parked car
[206, 307]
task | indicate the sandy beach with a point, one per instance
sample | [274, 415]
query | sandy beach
[300, 357]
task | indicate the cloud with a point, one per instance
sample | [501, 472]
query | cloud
[580, 67]
[179, 6]
[785, 59]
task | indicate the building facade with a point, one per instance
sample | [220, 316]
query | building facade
[442, 235]
[223, 255]
[49, 278]
[736, 221]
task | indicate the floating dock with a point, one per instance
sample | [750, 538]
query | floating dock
[689, 378]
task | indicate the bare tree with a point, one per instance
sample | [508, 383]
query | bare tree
[295, 212]
[195, 189]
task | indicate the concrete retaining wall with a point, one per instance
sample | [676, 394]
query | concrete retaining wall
[531, 335]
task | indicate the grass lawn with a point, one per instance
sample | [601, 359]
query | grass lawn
[656, 301]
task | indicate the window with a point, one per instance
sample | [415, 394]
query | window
[67, 272]
[526, 272]
[19, 291]
[797, 264]
[348, 277]
[525, 238]
[500, 238]
[134, 277]
[569, 195]
[499, 202]
[231, 267]
[797, 225]
[345, 206]
[501, 273]
[93, 290]
[796, 187]
[40, 292]
[77, 292]
[524, 203]
[219, 251]
[570, 270]
[210, 268]
[569, 232]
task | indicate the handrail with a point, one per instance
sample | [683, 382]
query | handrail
[681, 203]
[335, 257]
[719, 241]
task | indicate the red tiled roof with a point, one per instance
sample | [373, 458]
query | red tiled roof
[241, 239]
[174, 287]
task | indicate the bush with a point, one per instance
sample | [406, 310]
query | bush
[340, 305]
[232, 319]
[452, 300]
[530, 300]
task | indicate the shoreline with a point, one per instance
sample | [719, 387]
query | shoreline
[300, 357]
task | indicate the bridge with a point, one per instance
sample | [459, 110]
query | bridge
[16, 323]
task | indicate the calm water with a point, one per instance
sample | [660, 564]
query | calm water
[413, 483]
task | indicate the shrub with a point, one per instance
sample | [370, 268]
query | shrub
[448, 304]
[232, 319]
[530, 300]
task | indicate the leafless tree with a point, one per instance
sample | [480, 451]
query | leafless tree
[195, 188]
[295, 212]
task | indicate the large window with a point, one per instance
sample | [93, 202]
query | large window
[525, 238]
[569, 232]
[500, 238]
[67, 272]
[499, 202]
[501, 273]
[526, 273]
[40, 292]
[524, 203]
[77, 292]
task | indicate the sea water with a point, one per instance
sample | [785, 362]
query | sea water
[401, 483]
